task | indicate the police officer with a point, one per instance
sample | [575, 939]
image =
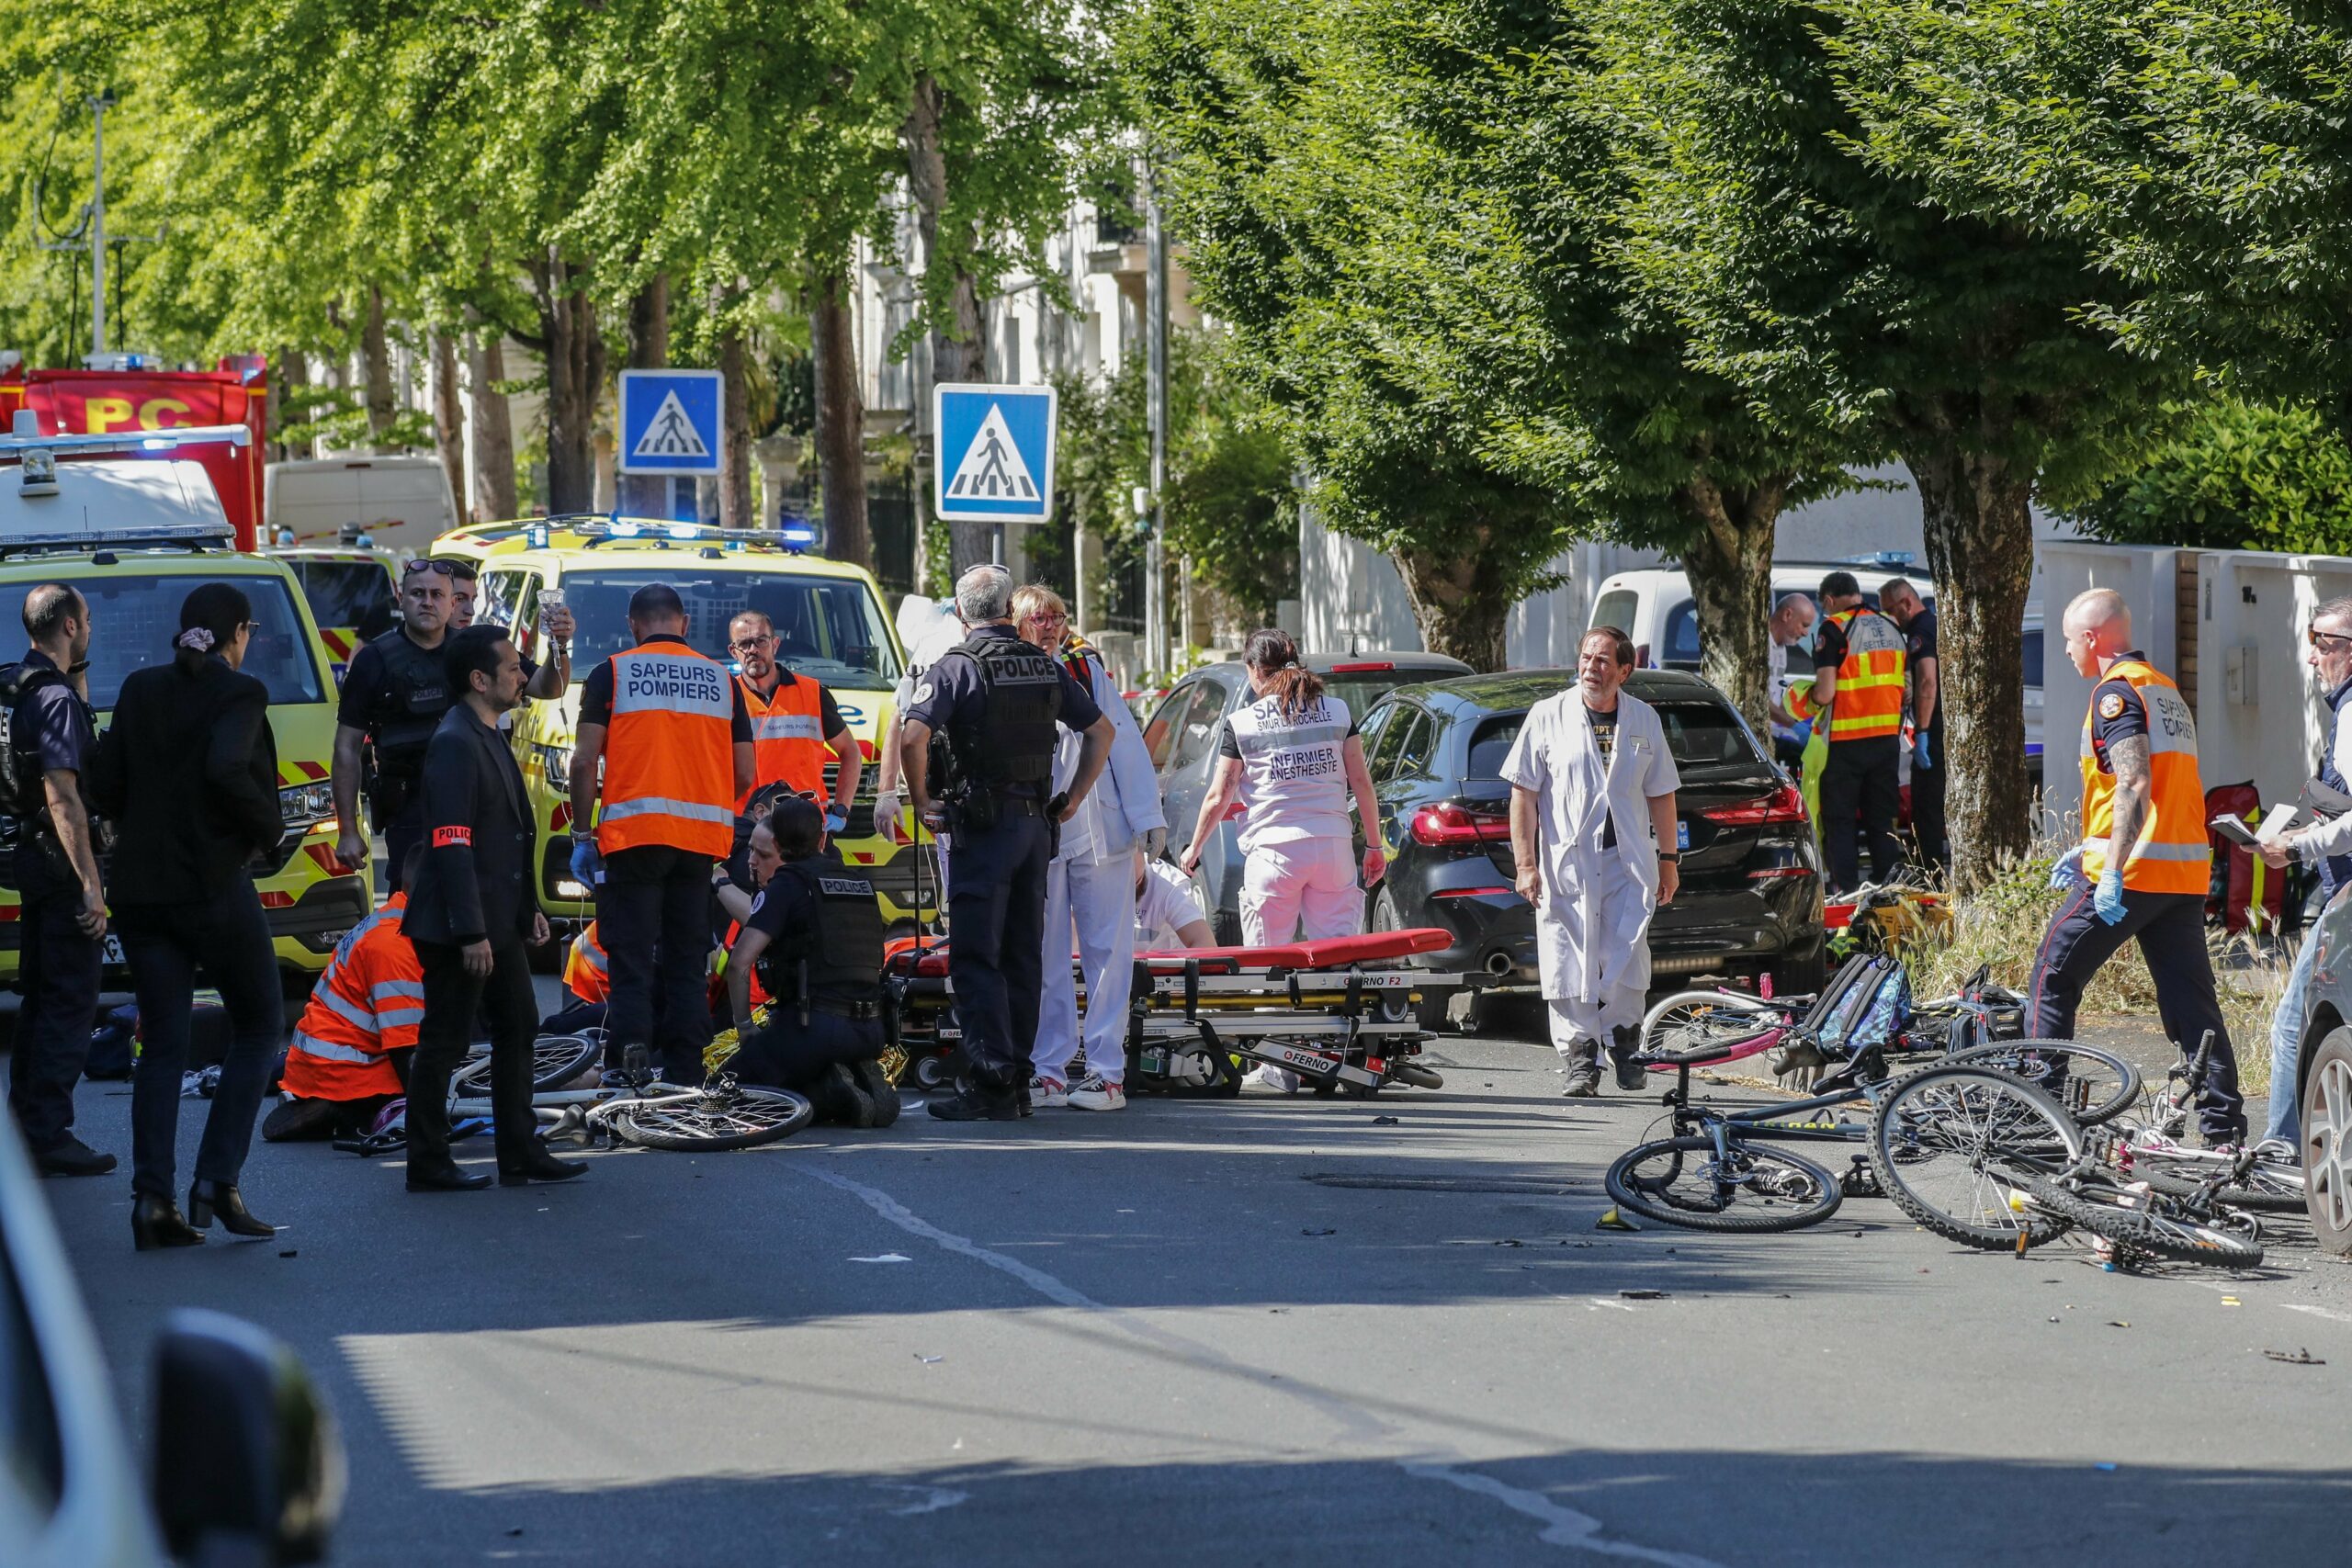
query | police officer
[796, 724]
[393, 697]
[674, 738]
[1857, 692]
[814, 934]
[994, 703]
[2141, 868]
[1918, 619]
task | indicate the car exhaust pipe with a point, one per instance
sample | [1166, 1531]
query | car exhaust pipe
[1498, 964]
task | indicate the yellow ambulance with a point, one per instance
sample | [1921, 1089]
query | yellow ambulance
[829, 627]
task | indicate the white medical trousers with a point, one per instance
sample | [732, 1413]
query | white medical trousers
[1308, 883]
[1099, 896]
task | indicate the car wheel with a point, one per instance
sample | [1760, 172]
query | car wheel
[1800, 977]
[1431, 1012]
[2327, 1142]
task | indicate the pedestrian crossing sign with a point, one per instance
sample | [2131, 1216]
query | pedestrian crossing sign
[671, 422]
[994, 455]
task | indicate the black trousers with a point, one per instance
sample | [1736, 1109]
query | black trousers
[2170, 928]
[1862, 779]
[996, 910]
[1927, 808]
[401, 834]
[452, 998]
[227, 937]
[653, 915]
[785, 1055]
[57, 969]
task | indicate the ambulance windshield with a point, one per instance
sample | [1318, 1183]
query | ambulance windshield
[828, 628]
[134, 618]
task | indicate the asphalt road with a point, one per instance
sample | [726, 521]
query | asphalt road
[1270, 1331]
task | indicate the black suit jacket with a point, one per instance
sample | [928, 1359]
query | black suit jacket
[478, 837]
[188, 772]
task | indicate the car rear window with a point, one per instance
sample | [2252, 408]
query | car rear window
[1490, 744]
[134, 619]
[1360, 690]
[1704, 738]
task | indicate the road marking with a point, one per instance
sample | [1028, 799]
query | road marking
[2328, 1313]
[933, 1499]
[1563, 1525]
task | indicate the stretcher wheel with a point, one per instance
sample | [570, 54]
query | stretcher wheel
[936, 1070]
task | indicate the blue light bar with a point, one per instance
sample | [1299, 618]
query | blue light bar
[795, 534]
[21, 440]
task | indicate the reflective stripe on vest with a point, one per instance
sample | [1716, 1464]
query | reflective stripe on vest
[322, 1069]
[328, 1051]
[787, 738]
[669, 754]
[1294, 776]
[2174, 854]
[1869, 700]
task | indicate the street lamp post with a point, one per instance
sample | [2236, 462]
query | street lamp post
[1155, 394]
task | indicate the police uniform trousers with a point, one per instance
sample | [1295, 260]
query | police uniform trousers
[789, 1054]
[2170, 928]
[1861, 780]
[996, 929]
[653, 918]
[401, 834]
[57, 969]
[1927, 810]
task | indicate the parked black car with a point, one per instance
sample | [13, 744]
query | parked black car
[1182, 734]
[1752, 896]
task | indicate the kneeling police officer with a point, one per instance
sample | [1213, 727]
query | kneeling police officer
[994, 702]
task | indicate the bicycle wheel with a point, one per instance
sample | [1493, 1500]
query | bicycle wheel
[556, 1060]
[2092, 1084]
[1947, 1145]
[1697, 1024]
[730, 1116]
[2271, 1187]
[1683, 1181]
[2148, 1223]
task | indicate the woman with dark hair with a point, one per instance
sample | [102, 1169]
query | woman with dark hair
[1292, 759]
[188, 772]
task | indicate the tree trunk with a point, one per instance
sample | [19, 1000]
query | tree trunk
[1462, 608]
[959, 333]
[450, 416]
[647, 495]
[1729, 563]
[288, 376]
[1979, 550]
[841, 422]
[735, 508]
[375, 350]
[492, 436]
[575, 351]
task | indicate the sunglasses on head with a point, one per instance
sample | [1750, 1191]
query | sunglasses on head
[458, 571]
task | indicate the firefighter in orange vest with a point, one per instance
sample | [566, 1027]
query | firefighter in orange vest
[2143, 867]
[795, 726]
[1857, 692]
[350, 1050]
[672, 733]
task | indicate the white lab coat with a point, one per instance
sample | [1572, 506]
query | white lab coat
[1592, 927]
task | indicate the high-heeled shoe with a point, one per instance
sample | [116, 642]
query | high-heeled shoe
[156, 1222]
[205, 1198]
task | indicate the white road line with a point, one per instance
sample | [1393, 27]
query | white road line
[1563, 1525]
[2328, 1313]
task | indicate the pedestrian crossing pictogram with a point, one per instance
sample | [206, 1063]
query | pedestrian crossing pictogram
[992, 469]
[995, 446]
[671, 434]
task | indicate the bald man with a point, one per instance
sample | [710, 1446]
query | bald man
[1792, 625]
[2141, 869]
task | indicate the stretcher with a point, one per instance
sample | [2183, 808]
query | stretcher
[1338, 1012]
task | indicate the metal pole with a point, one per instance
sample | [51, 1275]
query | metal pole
[1156, 338]
[98, 224]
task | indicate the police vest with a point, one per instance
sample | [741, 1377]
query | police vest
[1022, 704]
[669, 753]
[409, 709]
[843, 952]
[1869, 700]
[787, 738]
[2174, 854]
[585, 973]
[1293, 777]
[369, 1001]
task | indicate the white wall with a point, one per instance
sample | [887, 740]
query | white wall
[2260, 604]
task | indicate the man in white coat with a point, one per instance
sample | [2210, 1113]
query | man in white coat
[1591, 801]
[1091, 883]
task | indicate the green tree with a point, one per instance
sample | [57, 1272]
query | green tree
[2236, 476]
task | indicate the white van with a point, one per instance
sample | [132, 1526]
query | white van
[399, 503]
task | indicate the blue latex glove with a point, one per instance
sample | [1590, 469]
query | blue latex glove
[587, 863]
[2109, 899]
[836, 819]
[1919, 752]
[2068, 872]
[1804, 732]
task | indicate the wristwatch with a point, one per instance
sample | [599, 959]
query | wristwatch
[1674, 855]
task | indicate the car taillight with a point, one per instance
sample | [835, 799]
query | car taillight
[1783, 805]
[1439, 827]
[1361, 668]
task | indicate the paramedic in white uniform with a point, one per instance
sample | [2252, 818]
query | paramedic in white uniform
[1592, 800]
[1292, 758]
[1167, 916]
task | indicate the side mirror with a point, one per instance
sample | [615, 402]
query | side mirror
[249, 1466]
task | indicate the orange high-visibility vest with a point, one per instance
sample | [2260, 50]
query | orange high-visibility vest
[787, 738]
[669, 754]
[369, 1000]
[1867, 703]
[2174, 854]
[585, 973]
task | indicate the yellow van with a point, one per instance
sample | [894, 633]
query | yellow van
[135, 537]
[829, 627]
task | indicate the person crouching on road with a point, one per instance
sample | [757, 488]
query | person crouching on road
[1292, 758]
[1167, 914]
[814, 934]
[1591, 801]
[2141, 868]
[1088, 885]
[470, 915]
[354, 1041]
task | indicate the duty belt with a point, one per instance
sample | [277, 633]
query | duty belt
[856, 1012]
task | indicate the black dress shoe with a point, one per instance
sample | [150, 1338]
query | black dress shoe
[156, 1222]
[207, 1198]
[444, 1177]
[541, 1166]
[72, 1157]
[973, 1103]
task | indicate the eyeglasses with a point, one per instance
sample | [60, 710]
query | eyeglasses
[746, 645]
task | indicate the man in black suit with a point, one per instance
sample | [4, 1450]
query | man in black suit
[469, 915]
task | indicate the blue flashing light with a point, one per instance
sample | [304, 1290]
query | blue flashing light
[796, 534]
[684, 531]
[626, 530]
